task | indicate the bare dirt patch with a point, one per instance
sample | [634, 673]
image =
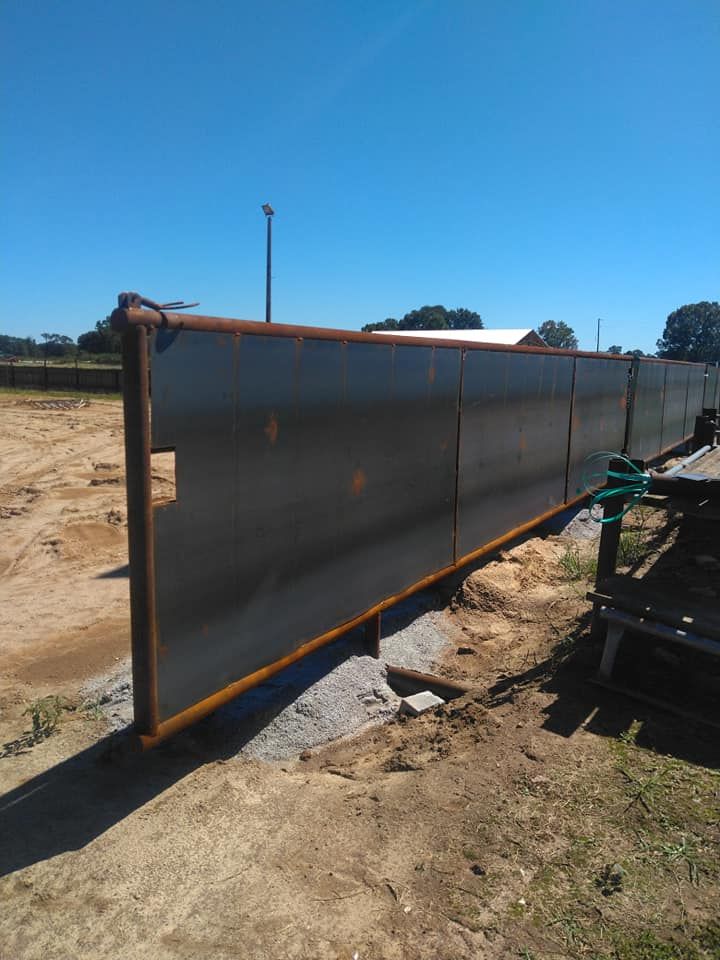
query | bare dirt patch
[538, 817]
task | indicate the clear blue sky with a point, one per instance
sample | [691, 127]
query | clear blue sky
[529, 160]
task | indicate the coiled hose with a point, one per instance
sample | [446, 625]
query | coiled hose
[635, 484]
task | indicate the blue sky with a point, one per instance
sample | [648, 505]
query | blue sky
[529, 160]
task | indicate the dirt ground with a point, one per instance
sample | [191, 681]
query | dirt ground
[539, 816]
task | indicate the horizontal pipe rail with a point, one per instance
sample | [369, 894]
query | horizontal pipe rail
[678, 468]
[124, 317]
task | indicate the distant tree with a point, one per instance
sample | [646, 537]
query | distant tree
[558, 334]
[692, 332]
[463, 319]
[637, 353]
[58, 345]
[103, 339]
[18, 346]
[426, 318]
[390, 323]
[431, 318]
[614, 349]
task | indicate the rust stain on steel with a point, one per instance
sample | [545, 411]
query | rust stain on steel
[205, 707]
[359, 481]
[271, 429]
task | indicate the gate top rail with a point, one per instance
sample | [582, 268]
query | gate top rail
[124, 317]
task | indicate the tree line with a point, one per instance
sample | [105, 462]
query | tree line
[102, 341]
[692, 332]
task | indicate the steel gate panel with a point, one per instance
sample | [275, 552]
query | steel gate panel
[513, 442]
[314, 479]
[674, 406]
[695, 392]
[323, 475]
[711, 387]
[599, 414]
[648, 394]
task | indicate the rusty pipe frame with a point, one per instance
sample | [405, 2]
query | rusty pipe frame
[141, 547]
[406, 682]
[123, 318]
[204, 708]
[135, 324]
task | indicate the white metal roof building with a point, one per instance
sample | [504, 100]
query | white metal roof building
[510, 336]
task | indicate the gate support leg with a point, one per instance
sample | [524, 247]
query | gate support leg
[373, 629]
[612, 642]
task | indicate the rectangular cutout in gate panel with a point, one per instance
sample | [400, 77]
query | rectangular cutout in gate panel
[325, 472]
[645, 442]
[599, 414]
[513, 442]
[675, 404]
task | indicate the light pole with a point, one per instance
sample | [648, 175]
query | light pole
[269, 212]
[597, 345]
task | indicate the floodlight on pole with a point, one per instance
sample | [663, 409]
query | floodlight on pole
[269, 213]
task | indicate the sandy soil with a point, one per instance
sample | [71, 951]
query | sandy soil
[537, 817]
[64, 539]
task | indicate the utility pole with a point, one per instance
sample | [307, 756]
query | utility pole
[597, 346]
[269, 213]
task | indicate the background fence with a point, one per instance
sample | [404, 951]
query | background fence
[40, 377]
[320, 476]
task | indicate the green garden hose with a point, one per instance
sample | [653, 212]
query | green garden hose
[635, 484]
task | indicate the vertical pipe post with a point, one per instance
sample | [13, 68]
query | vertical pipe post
[456, 501]
[136, 405]
[373, 631]
[633, 375]
[610, 539]
[570, 430]
[268, 272]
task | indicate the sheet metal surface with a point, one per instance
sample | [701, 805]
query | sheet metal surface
[599, 414]
[695, 394]
[513, 442]
[711, 387]
[645, 442]
[675, 405]
[314, 479]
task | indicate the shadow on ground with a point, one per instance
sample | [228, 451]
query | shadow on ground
[686, 680]
[68, 806]
[74, 802]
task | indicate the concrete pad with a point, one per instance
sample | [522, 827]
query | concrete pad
[419, 702]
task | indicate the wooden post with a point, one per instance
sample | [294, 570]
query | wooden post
[610, 539]
[610, 535]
